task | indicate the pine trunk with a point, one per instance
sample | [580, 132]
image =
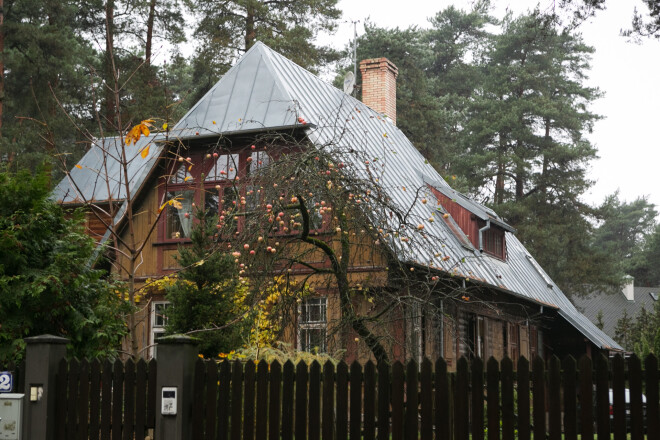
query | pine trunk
[2, 60]
[110, 106]
[150, 32]
[250, 32]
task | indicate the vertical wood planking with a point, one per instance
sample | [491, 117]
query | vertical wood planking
[152, 372]
[60, 410]
[261, 428]
[426, 400]
[355, 401]
[223, 407]
[302, 377]
[554, 398]
[342, 401]
[236, 400]
[383, 401]
[248, 400]
[441, 417]
[570, 395]
[602, 398]
[328, 423]
[411, 421]
[288, 375]
[398, 383]
[493, 396]
[538, 397]
[211, 398]
[106, 400]
[636, 410]
[461, 400]
[523, 399]
[129, 400]
[198, 401]
[274, 401]
[369, 401]
[314, 417]
[508, 414]
[477, 399]
[117, 398]
[72, 385]
[95, 400]
[140, 399]
[618, 398]
[83, 401]
[652, 410]
[586, 398]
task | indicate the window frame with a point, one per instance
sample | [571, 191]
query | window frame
[303, 326]
[156, 331]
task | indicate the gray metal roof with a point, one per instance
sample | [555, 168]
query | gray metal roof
[613, 305]
[99, 176]
[265, 90]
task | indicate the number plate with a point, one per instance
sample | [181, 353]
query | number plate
[6, 382]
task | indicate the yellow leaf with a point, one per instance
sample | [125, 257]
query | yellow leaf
[145, 151]
[144, 129]
[187, 178]
[165, 126]
[79, 166]
[177, 204]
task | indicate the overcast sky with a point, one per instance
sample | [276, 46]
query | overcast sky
[628, 138]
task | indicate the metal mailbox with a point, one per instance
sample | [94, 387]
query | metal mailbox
[11, 413]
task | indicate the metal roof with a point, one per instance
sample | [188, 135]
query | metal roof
[266, 91]
[99, 175]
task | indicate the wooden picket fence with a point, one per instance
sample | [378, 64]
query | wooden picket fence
[248, 401]
[244, 401]
[107, 401]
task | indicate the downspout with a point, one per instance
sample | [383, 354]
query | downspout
[442, 328]
[481, 235]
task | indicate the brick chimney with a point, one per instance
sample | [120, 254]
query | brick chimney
[379, 85]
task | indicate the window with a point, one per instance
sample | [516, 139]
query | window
[514, 341]
[477, 337]
[493, 241]
[313, 324]
[158, 320]
[210, 180]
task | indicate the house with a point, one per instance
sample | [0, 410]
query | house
[606, 309]
[492, 296]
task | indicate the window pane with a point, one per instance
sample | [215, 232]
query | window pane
[258, 160]
[313, 339]
[224, 168]
[160, 314]
[179, 220]
[179, 176]
[211, 201]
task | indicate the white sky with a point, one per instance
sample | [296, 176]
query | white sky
[627, 139]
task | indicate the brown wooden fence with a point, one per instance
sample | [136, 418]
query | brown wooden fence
[237, 401]
[108, 401]
[247, 401]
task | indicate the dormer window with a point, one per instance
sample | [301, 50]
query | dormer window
[476, 226]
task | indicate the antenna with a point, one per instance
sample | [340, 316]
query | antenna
[349, 83]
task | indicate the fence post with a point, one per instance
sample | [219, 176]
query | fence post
[176, 357]
[42, 358]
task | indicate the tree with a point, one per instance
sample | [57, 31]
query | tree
[228, 28]
[207, 300]
[646, 264]
[47, 282]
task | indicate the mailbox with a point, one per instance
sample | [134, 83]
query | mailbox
[168, 401]
[11, 413]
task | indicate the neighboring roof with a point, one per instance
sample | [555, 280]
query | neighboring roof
[266, 91]
[613, 305]
[99, 181]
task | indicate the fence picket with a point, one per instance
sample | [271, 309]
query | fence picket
[477, 399]
[554, 398]
[652, 413]
[72, 399]
[442, 417]
[369, 401]
[426, 400]
[342, 401]
[493, 396]
[274, 401]
[106, 400]
[383, 401]
[538, 397]
[60, 409]
[302, 377]
[618, 397]
[398, 384]
[602, 398]
[83, 401]
[314, 417]
[570, 398]
[236, 399]
[411, 422]
[636, 410]
[117, 398]
[94, 399]
[140, 399]
[287, 400]
[328, 400]
[248, 401]
[261, 428]
[462, 401]
[222, 409]
[129, 400]
[524, 424]
[355, 400]
[198, 402]
[586, 397]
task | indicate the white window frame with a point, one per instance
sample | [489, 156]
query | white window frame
[157, 330]
[322, 324]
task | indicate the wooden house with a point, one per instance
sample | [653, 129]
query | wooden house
[490, 296]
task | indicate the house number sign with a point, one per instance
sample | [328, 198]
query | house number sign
[6, 382]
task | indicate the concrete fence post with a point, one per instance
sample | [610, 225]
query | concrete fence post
[176, 357]
[42, 359]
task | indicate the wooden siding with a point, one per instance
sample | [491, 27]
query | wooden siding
[463, 218]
